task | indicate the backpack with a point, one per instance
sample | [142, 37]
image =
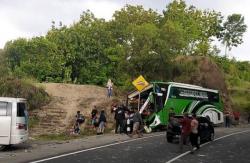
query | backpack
[80, 119]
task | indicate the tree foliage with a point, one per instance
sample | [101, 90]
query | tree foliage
[233, 30]
[136, 41]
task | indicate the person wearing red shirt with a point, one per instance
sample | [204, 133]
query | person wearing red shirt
[185, 130]
[194, 133]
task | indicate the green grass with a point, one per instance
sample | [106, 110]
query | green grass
[33, 121]
[66, 136]
[240, 95]
[14, 87]
[51, 137]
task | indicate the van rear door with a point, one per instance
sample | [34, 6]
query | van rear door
[5, 121]
[22, 117]
[20, 128]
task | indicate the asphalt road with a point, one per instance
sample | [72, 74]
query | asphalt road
[231, 149]
[234, 148]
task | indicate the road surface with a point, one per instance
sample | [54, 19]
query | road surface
[155, 149]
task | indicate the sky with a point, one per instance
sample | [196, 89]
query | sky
[30, 18]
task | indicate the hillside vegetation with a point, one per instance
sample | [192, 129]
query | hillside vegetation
[136, 41]
[237, 76]
[12, 86]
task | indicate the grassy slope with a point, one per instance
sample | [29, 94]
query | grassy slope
[240, 95]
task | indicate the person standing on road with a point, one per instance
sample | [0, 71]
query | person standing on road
[227, 119]
[119, 118]
[102, 122]
[194, 133]
[127, 122]
[109, 87]
[237, 117]
[79, 120]
[185, 130]
[137, 122]
[94, 121]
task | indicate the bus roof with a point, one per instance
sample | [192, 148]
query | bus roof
[190, 86]
[12, 99]
[175, 84]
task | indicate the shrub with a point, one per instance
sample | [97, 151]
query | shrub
[13, 87]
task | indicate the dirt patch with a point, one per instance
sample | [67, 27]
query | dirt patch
[207, 74]
[58, 116]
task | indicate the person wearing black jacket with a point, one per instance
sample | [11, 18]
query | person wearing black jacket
[102, 121]
[119, 118]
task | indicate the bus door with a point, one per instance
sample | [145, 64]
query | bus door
[160, 98]
[5, 121]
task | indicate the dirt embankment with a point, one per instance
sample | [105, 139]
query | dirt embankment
[207, 74]
[67, 99]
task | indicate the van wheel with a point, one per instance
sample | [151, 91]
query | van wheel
[3, 147]
[211, 138]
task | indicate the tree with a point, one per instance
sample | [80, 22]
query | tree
[36, 57]
[196, 27]
[136, 31]
[4, 69]
[14, 51]
[127, 18]
[233, 30]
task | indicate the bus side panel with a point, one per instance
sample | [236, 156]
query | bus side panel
[178, 106]
[219, 106]
[163, 116]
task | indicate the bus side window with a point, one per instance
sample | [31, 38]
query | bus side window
[214, 97]
[174, 92]
[219, 116]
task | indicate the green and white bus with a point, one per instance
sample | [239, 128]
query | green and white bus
[159, 98]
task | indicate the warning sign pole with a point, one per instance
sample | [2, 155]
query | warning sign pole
[139, 100]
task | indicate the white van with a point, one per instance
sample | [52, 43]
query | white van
[13, 121]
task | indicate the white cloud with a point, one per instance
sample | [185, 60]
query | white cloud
[30, 18]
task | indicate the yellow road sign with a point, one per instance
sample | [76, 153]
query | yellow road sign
[140, 83]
